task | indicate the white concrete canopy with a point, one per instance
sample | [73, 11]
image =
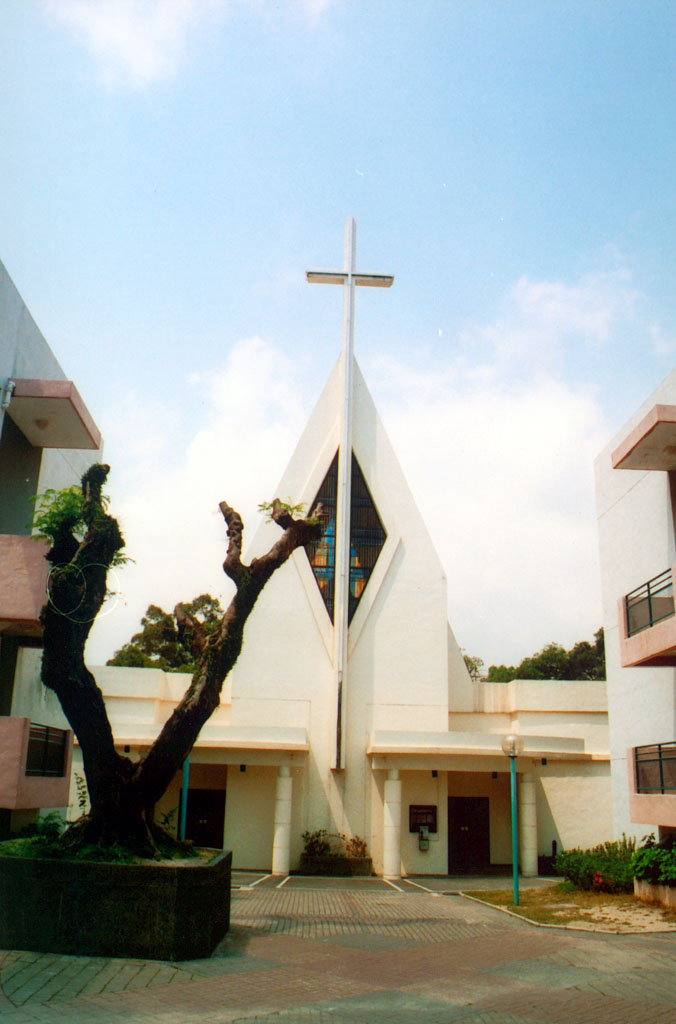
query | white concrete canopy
[51, 414]
[651, 444]
[481, 744]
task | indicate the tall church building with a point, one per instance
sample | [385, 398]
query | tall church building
[393, 692]
[351, 709]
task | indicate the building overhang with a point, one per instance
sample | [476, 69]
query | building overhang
[226, 744]
[461, 751]
[23, 583]
[51, 414]
[651, 444]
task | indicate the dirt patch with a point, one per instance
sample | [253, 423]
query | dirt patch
[589, 911]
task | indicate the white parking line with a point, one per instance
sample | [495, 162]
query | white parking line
[258, 881]
[423, 887]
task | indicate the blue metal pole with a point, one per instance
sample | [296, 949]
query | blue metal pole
[184, 797]
[515, 832]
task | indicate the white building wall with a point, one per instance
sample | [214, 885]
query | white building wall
[422, 788]
[636, 540]
[30, 698]
[573, 806]
[249, 816]
[24, 353]
[398, 639]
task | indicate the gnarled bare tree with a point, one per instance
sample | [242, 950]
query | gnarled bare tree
[123, 793]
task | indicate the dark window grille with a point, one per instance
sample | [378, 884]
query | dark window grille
[322, 553]
[649, 603]
[367, 537]
[46, 751]
[655, 766]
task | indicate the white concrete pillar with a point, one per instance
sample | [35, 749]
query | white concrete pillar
[528, 826]
[392, 825]
[281, 844]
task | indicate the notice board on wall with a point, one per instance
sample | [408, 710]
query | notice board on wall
[420, 815]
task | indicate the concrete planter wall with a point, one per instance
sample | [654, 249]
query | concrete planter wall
[154, 911]
[335, 864]
[649, 893]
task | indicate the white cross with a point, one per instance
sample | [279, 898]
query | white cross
[349, 278]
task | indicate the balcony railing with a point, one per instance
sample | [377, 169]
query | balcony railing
[649, 603]
[655, 768]
[47, 749]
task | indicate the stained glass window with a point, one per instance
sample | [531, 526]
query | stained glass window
[322, 553]
[367, 538]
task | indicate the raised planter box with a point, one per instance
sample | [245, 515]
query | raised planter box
[649, 893]
[149, 912]
[335, 864]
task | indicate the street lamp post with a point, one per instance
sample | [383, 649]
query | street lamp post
[512, 746]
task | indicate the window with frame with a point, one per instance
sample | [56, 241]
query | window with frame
[367, 537]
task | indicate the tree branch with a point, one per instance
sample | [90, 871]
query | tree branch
[221, 649]
[190, 629]
[232, 566]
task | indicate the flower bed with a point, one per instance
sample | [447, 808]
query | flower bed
[335, 864]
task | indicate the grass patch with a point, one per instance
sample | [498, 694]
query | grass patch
[564, 904]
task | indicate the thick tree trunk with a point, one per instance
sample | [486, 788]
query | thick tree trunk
[123, 794]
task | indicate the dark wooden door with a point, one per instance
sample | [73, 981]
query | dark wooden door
[205, 817]
[468, 834]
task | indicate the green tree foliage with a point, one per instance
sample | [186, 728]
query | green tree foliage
[163, 643]
[474, 665]
[501, 674]
[64, 509]
[583, 661]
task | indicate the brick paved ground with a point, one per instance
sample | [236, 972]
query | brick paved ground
[363, 957]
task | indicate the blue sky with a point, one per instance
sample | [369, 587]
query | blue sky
[171, 168]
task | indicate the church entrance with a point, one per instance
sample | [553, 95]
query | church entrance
[468, 835]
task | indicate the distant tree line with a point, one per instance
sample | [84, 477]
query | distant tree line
[582, 661]
[164, 641]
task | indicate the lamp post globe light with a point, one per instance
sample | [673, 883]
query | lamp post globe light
[512, 746]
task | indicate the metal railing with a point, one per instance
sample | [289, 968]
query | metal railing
[46, 751]
[655, 767]
[649, 603]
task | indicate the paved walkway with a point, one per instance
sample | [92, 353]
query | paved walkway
[363, 955]
[446, 884]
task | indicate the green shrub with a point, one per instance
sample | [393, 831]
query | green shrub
[605, 868]
[318, 844]
[656, 862]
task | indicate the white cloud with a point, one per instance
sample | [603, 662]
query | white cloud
[498, 446]
[314, 8]
[137, 43]
[498, 450]
[661, 345]
[542, 318]
[502, 473]
[167, 481]
[134, 42]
